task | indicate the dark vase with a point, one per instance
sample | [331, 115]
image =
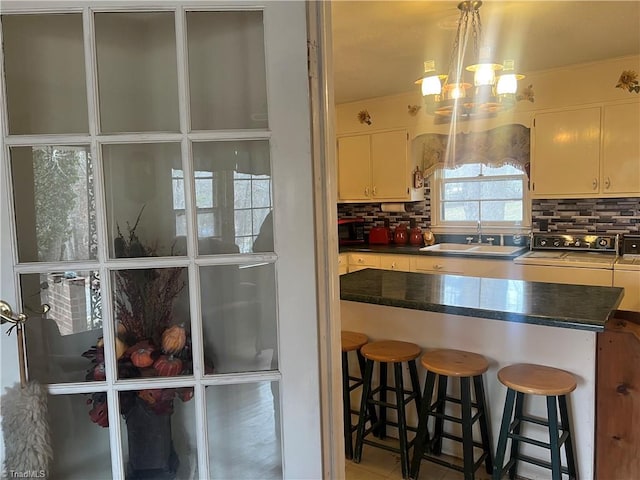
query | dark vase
[151, 452]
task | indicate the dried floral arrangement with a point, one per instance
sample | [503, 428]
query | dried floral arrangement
[149, 341]
[629, 81]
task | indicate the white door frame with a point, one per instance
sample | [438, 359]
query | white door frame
[324, 159]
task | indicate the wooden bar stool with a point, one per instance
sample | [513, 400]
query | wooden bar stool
[351, 342]
[554, 384]
[385, 352]
[466, 366]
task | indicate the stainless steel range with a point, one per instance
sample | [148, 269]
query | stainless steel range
[585, 259]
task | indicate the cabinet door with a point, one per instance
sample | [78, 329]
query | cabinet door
[358, 261]
[389, 168]
[566, 153]
[621, 149]
[395, 262]
[354, 167]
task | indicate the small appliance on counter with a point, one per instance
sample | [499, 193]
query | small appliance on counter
[630, 244]
[415, 234]
[379, 236]
[350, 231]
[401, 234]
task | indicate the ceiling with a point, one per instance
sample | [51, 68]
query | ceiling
[379, 46]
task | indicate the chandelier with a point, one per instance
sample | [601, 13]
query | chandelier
[452, 96]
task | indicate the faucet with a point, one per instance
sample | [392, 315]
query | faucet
[479, 230]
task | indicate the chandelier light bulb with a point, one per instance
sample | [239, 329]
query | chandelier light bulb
[484, 75]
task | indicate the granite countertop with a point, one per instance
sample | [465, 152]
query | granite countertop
[415, 250]
[558, 305]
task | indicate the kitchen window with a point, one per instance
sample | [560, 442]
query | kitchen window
[472, 193]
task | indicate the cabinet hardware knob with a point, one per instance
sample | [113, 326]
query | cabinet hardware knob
[366, 191]
[375, 191]
[595, 183]
[437, 266]
[607, 183]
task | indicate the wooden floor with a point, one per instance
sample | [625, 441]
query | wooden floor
[379, 464]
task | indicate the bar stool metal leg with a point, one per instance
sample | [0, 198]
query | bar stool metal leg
[515, 443]
[415, 384]
[484, 420]
[366, 390]
[568, 444]
[346, 406]
[383, 399]
[504, 430]
[439, 424]
[402, 421]
[467, 431]
[554, 437]
[421, 441]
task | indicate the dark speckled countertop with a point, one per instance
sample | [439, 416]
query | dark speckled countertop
[557, 305]
[415, 250]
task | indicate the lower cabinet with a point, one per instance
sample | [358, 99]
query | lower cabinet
[359, 261]
[395, 262]
[343, 263]
[630, 281]
[570, 275]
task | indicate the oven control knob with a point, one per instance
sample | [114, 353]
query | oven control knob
[567, 243]
[543, 242]
[603, 242]
[577, 243]
[556, 243]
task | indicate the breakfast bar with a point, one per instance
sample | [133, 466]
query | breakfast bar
[507, 321]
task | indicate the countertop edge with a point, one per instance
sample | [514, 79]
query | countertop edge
[477, 313]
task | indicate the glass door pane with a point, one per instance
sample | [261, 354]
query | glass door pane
[79, 436]
[54, 197]
[233, 196]
[227, 75]
[239, 317]
[244, 431]
[151, 309]
[59, 341]
[137, 72]
[144, 199]
[45, 74]
[159, 433]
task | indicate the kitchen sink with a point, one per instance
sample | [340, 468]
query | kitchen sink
[472, 249]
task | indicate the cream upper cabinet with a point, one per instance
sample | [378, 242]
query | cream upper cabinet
[621, 149]
[354, 168]
[588, 152]
[566, 155]
[376, 167]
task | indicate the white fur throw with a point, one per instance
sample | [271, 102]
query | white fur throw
[25, 428]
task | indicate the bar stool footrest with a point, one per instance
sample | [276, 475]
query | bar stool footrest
[458, 420]
[454, 466]
[539, 463]
[451, 436]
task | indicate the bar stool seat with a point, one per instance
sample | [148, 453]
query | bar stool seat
[555, 384]
[384, 352]
[351, 342]
[466, 366]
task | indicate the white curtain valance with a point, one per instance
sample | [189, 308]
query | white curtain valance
[506, 145]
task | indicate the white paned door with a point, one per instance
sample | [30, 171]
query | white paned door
[156, 159]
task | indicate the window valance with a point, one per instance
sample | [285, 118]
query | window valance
[506, 145]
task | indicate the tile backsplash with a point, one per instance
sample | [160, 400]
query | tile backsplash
[585, 215]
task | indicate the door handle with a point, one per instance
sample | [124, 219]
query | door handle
[8, 316]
